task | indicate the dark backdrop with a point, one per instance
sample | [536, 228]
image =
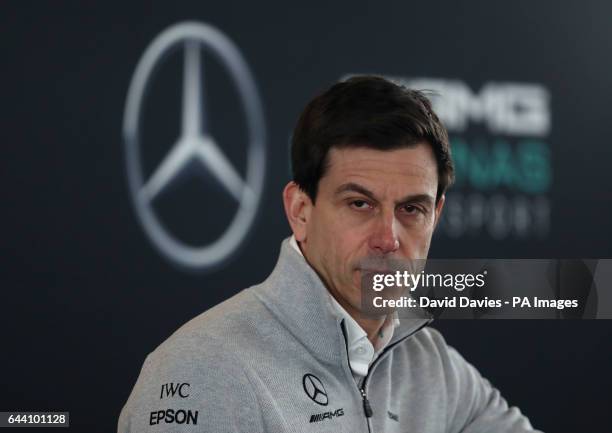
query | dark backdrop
[84, 294]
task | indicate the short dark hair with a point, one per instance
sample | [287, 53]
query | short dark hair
[366, 111]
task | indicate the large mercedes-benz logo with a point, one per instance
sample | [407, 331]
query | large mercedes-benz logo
[195, 143]
[314, 389]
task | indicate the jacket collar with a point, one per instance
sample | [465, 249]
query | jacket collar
[295, 294]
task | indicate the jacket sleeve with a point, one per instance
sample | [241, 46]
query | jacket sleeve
[474, 405]
[188, 391]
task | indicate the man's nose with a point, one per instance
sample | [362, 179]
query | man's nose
[384, 239]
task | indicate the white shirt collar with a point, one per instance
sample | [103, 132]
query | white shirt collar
[361, 351]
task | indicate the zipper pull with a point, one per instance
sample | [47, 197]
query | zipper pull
[366, 404]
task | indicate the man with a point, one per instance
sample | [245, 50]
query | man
[371, 164]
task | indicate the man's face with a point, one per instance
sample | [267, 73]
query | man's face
[370, 204]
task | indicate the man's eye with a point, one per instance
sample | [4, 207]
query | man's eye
[410, 209]
[360, 204]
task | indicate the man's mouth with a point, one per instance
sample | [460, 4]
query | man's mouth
[375, 270]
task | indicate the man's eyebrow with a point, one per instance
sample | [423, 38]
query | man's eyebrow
[412, 198]
[417, 198]
[355, 187]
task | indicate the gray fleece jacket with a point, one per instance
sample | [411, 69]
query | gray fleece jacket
[273, 358]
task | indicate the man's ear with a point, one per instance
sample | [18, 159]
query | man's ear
[297, 208]
[438, 211]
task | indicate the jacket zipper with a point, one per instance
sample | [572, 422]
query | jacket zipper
[366, 404]
[367, 408]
